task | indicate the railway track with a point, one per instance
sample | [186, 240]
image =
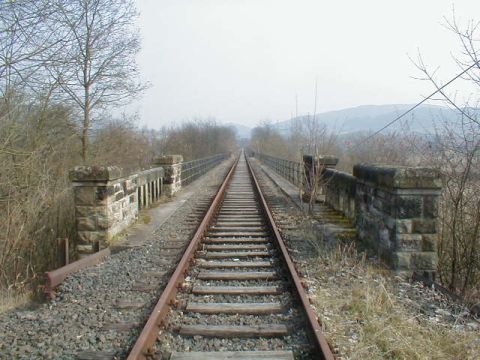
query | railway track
[235, 293]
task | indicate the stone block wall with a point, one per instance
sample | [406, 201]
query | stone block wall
[105, 204]
[340, 188]
[397, 209]
[172, 164]
[107, 201]
[315, 168]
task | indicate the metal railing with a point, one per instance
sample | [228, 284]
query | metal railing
[192, 170]
[291, 170]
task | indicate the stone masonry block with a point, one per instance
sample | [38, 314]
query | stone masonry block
[87, 223]
[430, 206]
[408, 207]
[91, 237]
[170, 189]
[424, 261]
[103, 192]
[120, 195]
[401, 260]
[86, 249]
[399, 177]
[424, 226]
[408, 242]
[84, 195]
[404, 226]
[389, 222]
[429, 242]
[172, 173]
[104, 222]
[130, 185]
[95, 173]
[85, 211]
[168, 160]
[327, 161]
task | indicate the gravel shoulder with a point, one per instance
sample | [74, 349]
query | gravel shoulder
[102, 309]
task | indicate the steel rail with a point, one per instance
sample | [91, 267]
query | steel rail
[148, 336]
[318, 337]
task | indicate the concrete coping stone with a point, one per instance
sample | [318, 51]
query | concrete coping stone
[398, 177]
[337, 174]
[150, 175]
[95, 173]
[326, 160]
[168, 160]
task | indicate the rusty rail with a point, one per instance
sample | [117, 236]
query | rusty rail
[149, 333]
[319, 339]
[55, 277]
[142, 349]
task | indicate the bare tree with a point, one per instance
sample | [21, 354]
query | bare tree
[456, 151]
[27, 44]
[97, 68]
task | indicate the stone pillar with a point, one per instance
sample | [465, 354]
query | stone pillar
[105, 204]
[396, 213]
[314, 167]
[172, 164]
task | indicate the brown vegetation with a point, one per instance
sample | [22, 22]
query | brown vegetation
[35, 192]
[63, 65]
[453, 148]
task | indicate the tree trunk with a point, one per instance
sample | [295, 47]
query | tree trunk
[86, 124]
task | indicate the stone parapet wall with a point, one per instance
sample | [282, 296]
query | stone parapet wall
[172, 165]
[107, 201]
[315, 167]
[340, 188]
[395, 209]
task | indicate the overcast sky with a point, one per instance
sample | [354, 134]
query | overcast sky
[245, 61]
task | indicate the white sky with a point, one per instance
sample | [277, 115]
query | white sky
[245, 60]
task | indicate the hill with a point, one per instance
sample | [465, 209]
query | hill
[373, 117]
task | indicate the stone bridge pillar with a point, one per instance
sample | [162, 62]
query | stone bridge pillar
[104, 203]
[172, 164]
[314, 167]
[396, 213]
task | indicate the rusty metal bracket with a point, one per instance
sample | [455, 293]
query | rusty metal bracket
[55, 277]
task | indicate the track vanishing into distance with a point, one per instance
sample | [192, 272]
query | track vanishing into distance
[235, 293]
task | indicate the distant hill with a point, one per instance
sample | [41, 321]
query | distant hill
[373, 117]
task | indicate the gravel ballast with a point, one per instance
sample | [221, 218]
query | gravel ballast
[103, 308]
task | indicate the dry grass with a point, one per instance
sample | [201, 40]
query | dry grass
[145, 218]
[365, 318]
[14, 299]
